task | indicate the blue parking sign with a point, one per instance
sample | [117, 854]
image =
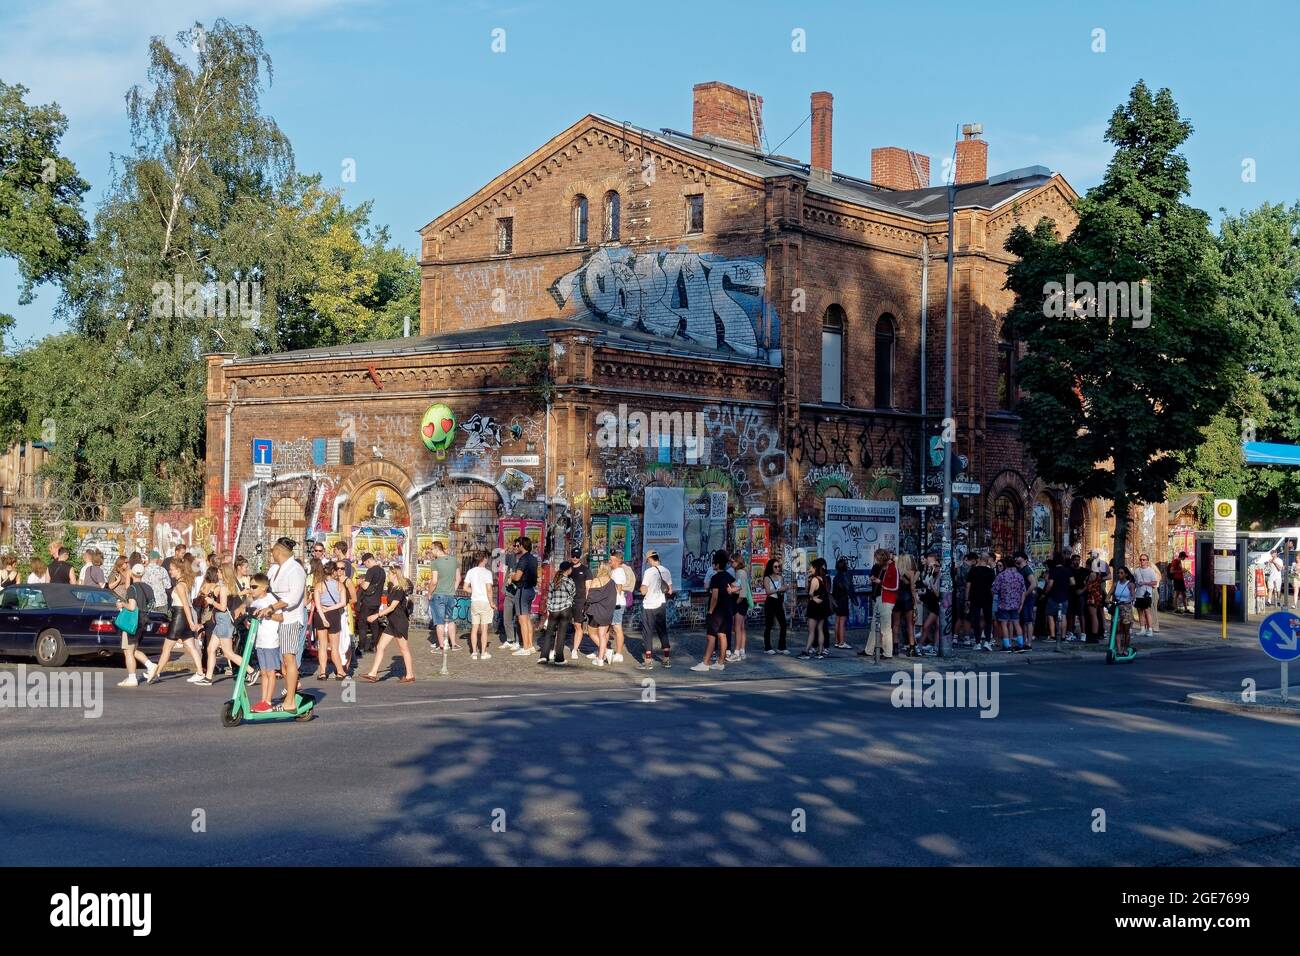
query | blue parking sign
[1278, 635]
[261, 451]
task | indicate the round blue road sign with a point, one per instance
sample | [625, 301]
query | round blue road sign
[1278, 635]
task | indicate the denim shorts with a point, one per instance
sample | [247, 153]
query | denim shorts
[524, 601]
[440, 609]
[1057, 608]
[1010, 615]
[268, 659]
[1027, 612]
[618, 615]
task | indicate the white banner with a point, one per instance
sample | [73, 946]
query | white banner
[855, 528]
[664, 530]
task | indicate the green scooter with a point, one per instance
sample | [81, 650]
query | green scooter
[1111, 655]
[236, 710]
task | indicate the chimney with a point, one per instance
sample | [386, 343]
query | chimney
[726, 113]
[896, 168]
[821, 136]
[972, 155]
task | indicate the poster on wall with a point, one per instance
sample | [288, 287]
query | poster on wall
[663, 527]
[507, 530]
[855, 528]
[759, 553]
[620, 536]
[705, 532]
[386, 544]
[599, 541]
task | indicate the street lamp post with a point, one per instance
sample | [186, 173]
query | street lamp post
[948, 434]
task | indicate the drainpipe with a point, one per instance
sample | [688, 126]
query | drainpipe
[225, 473]
[925, 445]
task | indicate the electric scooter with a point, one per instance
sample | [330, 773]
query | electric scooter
[236, 710]
[1111, 655]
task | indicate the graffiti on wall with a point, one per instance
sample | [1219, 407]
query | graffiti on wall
[388, 436]
[703, 298]
[874, 443]
[501, 292]
[484, 434]
[823, 478]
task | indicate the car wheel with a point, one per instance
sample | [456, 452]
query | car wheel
[228, 716]
[50, 649]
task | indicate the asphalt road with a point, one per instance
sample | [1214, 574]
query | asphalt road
[714, 771]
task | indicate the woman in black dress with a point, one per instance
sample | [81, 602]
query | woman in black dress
[602, 593]
[397, 623]
[819, 609]
[722, 610]
[842, 594]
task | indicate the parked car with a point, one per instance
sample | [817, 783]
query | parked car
[52, 622]
[1263, 545]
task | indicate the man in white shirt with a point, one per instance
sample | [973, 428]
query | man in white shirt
[656, 587]
[289, 586]
[625, 580]
[478, 582]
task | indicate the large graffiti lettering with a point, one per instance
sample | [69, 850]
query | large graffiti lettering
[703, 298]
[484, 295]
[877, 442]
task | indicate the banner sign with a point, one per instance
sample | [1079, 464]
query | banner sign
[855, 528]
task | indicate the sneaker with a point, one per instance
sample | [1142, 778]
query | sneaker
[598, 662]
[543, 660]
[645, 666]
[717, 667]
[823, 655]
[473, 657]
[203, 682]
[149, 668]
[129, 681]
[784, 651]
[485, 656]
[732, 657]
[617, 658]
[701, 666]
[591, 657]
[262, 707]
[559, 663]
[251, 677]
[770, 652]
[195, 679]
[667, 662]
[522, 652]
[843, 647]
[804, 655]
[609, 654]
[983, 646]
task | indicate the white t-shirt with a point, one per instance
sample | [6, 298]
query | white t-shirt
[289, 584]
[35, 578]
[268, 631]
[656, 580]
[1145, 579]
[478, 579]
[624, 577]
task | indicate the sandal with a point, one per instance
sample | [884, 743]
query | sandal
[338, 676]
[370, 678]
[322, 675]
[406, 680]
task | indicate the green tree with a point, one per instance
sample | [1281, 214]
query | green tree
[41, 224]
[1112, 398]
[1260, 260]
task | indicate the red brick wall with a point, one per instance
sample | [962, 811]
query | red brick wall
[893, 167]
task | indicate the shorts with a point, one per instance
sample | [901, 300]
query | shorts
[1180, 586]
[224, 629]
[291, 638]
[1012, 615]
[269, 659]
[742, 606]
[1027, 612]
[717, 625]
[618, 615]
[1057, 608]
[1126, 613]
[440, 609]
[129, 641]
[480, 613]
[524, 601]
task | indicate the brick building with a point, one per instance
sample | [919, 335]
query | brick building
[788, 317]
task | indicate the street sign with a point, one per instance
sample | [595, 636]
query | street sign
[965, 487]
[262, 452]
[261, 471]
[921, 501]
[1225, 524]
[524, 461]
[1278, 636]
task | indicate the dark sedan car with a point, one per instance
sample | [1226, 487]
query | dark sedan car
[52, 622]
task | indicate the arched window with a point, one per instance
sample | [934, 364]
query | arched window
[833, 356]
[613, 216]
[579, 219]
[1007, 395]
[1008, 537]
[885, 362]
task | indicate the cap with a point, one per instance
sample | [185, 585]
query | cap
[154, 554]
[575, 553]
[137, 570]
[652, 554]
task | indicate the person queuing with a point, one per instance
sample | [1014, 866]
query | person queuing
[39, 572]
[776, 586]
[92, 571]
[1146, 580]
[1009, 591]
[580, 575]
[559, 613]
[721, 612]
[884, 589]
[329, 601]
[184, 629]
[525, 579]
[602, 595]
[904, 624]
[744, 601]
[842, 597]
[979, 601]
[394, 617]
[509, 624]
[119, 578]
[819, 610]
[224, 601]
[1029, 603]
[477, 584]
[625, 580]
[369, 597]
[442, 602]
[1123, 593]
[61, 568]
[656, 589]
[137, 601]
[927, 593]
[8, 571]
[1178, 576]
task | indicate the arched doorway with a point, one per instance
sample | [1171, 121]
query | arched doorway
[1007, 528]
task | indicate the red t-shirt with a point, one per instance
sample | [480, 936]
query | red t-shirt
[889, 584]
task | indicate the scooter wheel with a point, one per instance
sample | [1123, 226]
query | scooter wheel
[306, 714]
[1110, 657]
[228, 716]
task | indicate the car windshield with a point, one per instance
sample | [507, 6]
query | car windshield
[21, 599]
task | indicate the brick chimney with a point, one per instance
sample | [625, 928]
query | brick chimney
[821, 136]
[972, 155]
[896, 168]
[727, 113]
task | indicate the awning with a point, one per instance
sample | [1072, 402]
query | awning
[1268, 453]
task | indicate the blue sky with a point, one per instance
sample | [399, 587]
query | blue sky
[413, 92]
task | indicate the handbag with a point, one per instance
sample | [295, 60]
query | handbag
[127, 621]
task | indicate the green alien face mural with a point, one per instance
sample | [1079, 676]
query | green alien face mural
[438, 428]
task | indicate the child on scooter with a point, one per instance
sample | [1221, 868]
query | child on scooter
[1123, 595]
[268, 639]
